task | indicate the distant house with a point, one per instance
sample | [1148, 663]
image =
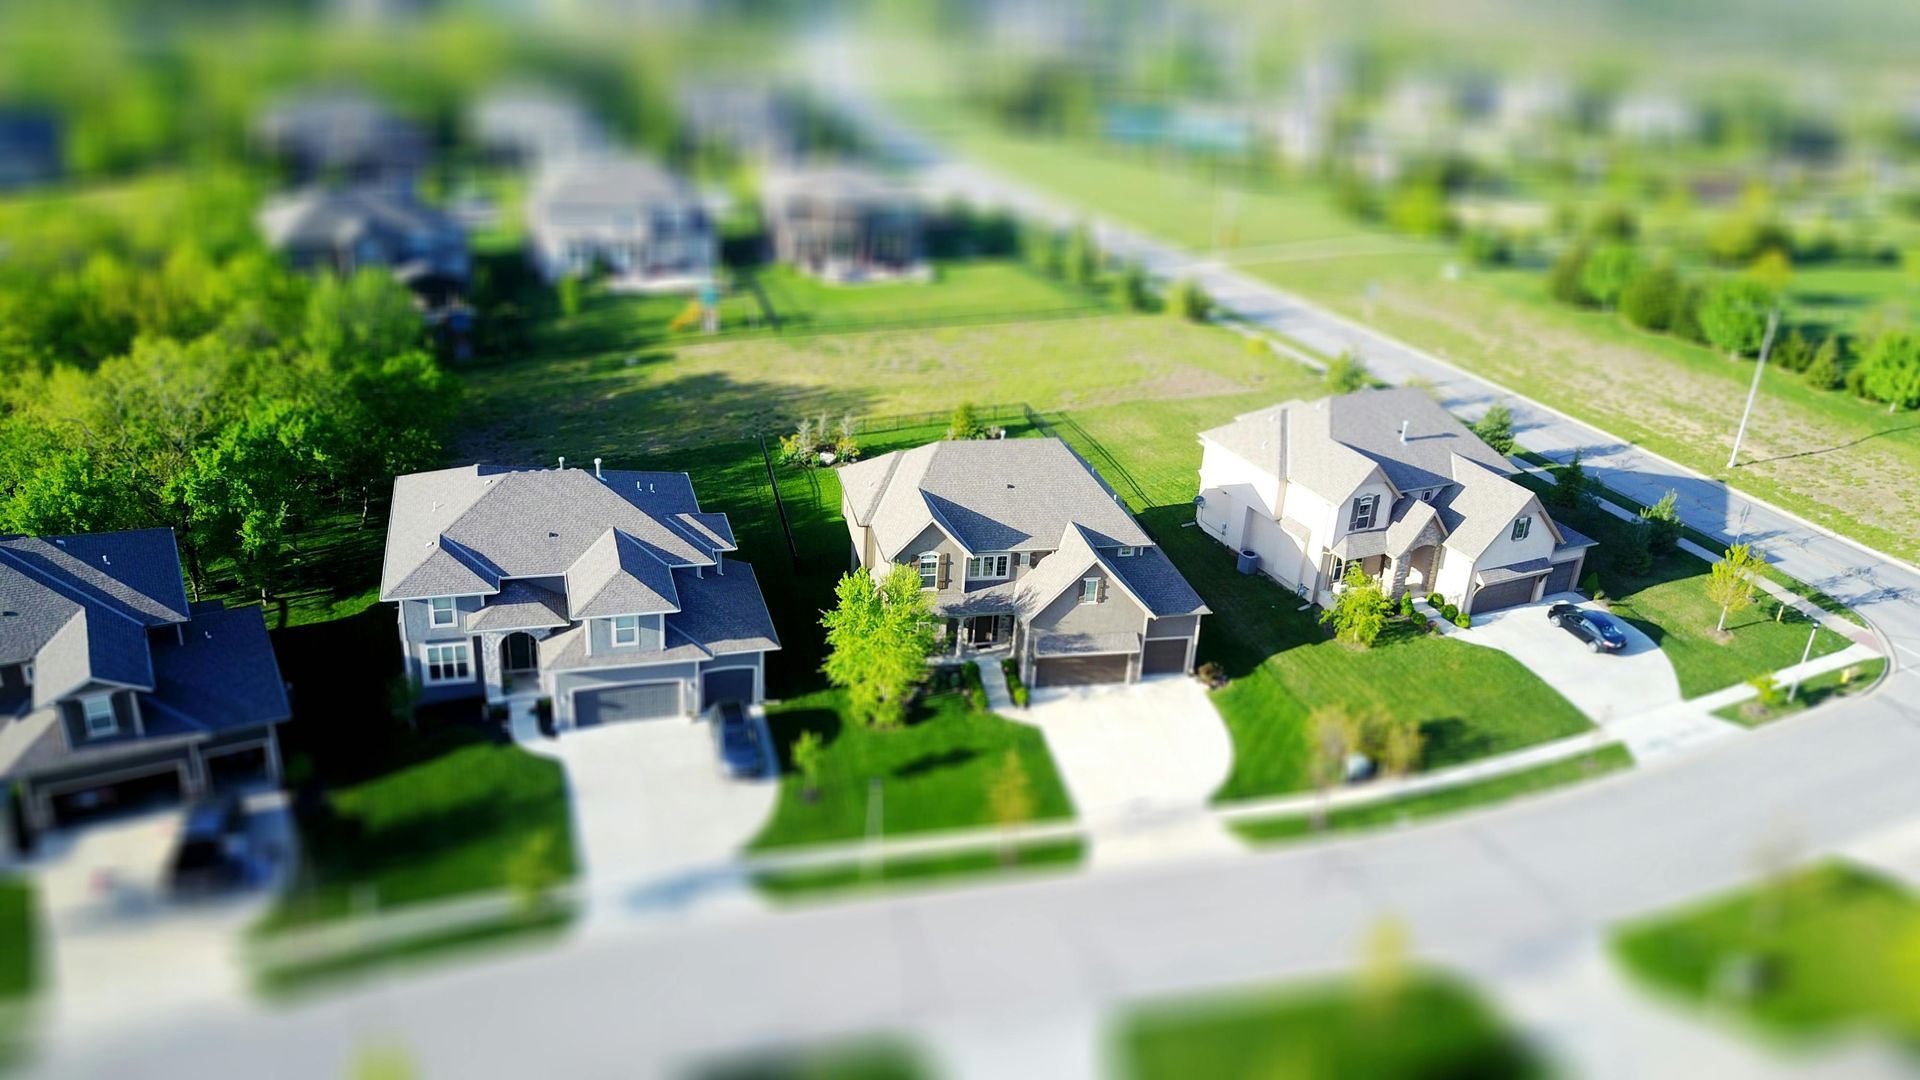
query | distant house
[646, 228]
[1655, 118]
[756, 123]
[844, 224]
[608, 593]
[1025, 552]
[29, 149]
[1388, 481]
[530, 126]
[343, 137]
[346, 229]
[114, 689]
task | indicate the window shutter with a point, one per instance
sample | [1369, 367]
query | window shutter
[946, 569]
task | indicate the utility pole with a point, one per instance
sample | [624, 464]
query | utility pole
[1766, 346]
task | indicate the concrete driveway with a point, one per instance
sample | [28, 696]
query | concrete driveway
[654, 819]
[1141, 762]
[1606, 687]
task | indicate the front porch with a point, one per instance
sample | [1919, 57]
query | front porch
[968, 636]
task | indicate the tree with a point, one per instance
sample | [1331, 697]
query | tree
[879, 636]
[1570, 484]
[965, 423]
[1734, 315]
[1495, 428]
[1792, 353]
[1010, 796]
[570, 289]
[1651, 299]
[1773, 269]
[1345, 374]
[1134, 289]
[1766, 690]
[1826, 371]
[1685, 323]
[1420, 209]
[1730, 583]
[1359, 611]
[808, 756]
[1566, 278]
[1330, 734]
[1401, 745]
[1616, 223]
[1663, 523]
[1608, 271]
[1189, 301]
[1082, 256]
[1890, 370]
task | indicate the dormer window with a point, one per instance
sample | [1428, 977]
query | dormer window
[1365, 509]
[626, 630]
[1521, 526]
[1127, 552]
[441, 612]
[99, 716]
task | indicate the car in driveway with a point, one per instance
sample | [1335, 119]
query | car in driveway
[211, 854]
[1599, 632]
[739, 738]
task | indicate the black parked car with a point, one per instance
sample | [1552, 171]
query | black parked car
[211, 855]
[736, 737]
[1600, 633]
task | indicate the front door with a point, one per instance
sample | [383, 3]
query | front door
[518, 654]
[983, 630]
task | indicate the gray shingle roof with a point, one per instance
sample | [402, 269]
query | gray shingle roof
[1478, 509]
[1513, 571]
[337, 218]
[618, 576]
[990, 494]
[337, 127]
[839, 187]
[221, 674]
[79, 606]
[520, 605]
[591, 190]
[1147, 574]
[724, 611]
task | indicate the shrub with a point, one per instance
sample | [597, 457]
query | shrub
[1615, 222]
[1189, 301]
[1487, 246]
[1016, 689]
[1650, 300]
[1566, 277]
[1359, 612]
[1406, 605]
[1733, 315]
[1591, 585]
[1608, 271]
[808, 755]
[1449, 612]
[1495, 428]
[1663, 523]
[1570, 487]
[972, 687]
[1827, 369]
[965, 423]
[1632, 550]
[1211, 674]
[1685, 323]
[1346, 373]
[1793, 352]
[1436, 601]
[1461, 620]
[1134, 292]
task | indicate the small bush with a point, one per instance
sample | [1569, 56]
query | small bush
[1462, 621]
[1346, 374]
[1566, 279]
[1436, 601]
[1212, 674]
[1189, 301]
[1406, 605]
[1016, 689]
[1450, 613]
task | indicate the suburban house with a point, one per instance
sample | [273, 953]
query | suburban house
[642, 225]
[344, 229]
[844, 224]
[755, 123]
[115, 689]
[527, 126]
[607, 592]
[343, 137]
[1026, 552]
[1388, 481]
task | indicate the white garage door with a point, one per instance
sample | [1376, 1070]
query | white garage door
[646, 701]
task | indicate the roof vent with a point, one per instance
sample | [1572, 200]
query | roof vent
[1403, 429]
[104, 561]
[596, 468]
[563, 461]
[60, 542]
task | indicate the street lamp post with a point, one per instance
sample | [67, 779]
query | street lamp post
[1766, 346]
[1804, 654]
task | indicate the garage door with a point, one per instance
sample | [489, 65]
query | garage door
[1560, 578]
[1164, 656]
[1504, 595]
[1080, 670]
[727, 684]
[614, 704]
[84, 803]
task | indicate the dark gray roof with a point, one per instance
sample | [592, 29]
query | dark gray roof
[567, 651]
[220, 675]
[79, 606]
[520, 605]
[1571, 538]
[838, 188]
[1512, 571]
[1147, 574]
[325, 128]
[724, 611]
[406, 232]
[585, 191]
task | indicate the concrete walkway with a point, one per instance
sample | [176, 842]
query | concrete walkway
[1603, 686]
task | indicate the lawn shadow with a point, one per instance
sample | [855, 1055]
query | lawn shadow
[786, 728]
[927, 763]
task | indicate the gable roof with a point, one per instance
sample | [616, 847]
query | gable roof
[1478, 509]
[463, 531]
[1147, 575]
[335, 218]
[988, 494]
[79, 607]
[592, 189]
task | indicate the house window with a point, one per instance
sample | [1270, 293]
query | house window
[1427, 495]
[1090, 590]
[1338, 569]
[447, 663]
[930, 570]
[987, 567]
[626, 629]
[440, 611]
[100, 718]
[1127, 552]
[1364, 509]
[1521, 527]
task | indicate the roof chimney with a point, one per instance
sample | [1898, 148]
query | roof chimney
[1403, 429]
[596, 468]
[563, 461]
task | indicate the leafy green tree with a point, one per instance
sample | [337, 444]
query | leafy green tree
[570, 289]
[879, 636]
[1135, 291]
[1614, 223]
[1685, 323]
[1608, 271]
[1566, 278]
[251, 483]
[1663, 522]
[1734, 315]
[1419, 208]
[1772, 269]
[1571, 488]
[965, 423]
[1401, 746]
[1189, 301]
[1890, 370]
[809, 755]
[1651, 297]
[1792, 353]
[1495, 428]
[1082, 256]
[1359, 610]
[364, 318]
[1345, 374]
[1731, 582]
[1826, 371]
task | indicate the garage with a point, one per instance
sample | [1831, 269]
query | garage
[644, 701]
[1164, 656]
[726, 684]
[1504, 594]
[237, 768]
[163, 786]
[1561, 578]
[1080, 670]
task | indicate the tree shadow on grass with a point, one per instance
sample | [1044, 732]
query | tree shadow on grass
[927, 763]
[787, 727]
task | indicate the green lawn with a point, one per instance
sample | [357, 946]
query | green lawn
[934, 773]
[1851, 679]
[443, 823]
[990, 290]
[1429, 1026]
[19, 941]
[514, 932]
[793, 885]
[1823, 951]
[1470, 702]
[1499, 789]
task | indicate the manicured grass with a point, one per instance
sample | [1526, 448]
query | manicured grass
[518, 931]
[1851, 679]
[1429, 1026]
[332, 571]
[798, 885]
[1822, 951]
[934, 773]
[445, 824]
[19, 941]
[990, 290]
[857, 1059]
[1470, 702]
[1499, 789]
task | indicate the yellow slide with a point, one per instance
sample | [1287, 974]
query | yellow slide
[689, 316]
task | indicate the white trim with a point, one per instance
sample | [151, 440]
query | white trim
[427, 663]
[1002, 558]
[920, 567]
[614, 630]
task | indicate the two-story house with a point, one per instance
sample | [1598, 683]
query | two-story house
[344, 138]
[114, 689]
[342, 230]
[608, 592]
[1386, 480]
[646, 228]
[844, 224]
[1025, 550]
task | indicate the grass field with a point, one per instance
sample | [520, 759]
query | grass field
[1851, 679]
[20, 960]
[985, 290]
[1469, 702]
[1835, 460]
[1823, 951]
[1499, 789]
[1425, 1026]
[798, 885]
[934, 773]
